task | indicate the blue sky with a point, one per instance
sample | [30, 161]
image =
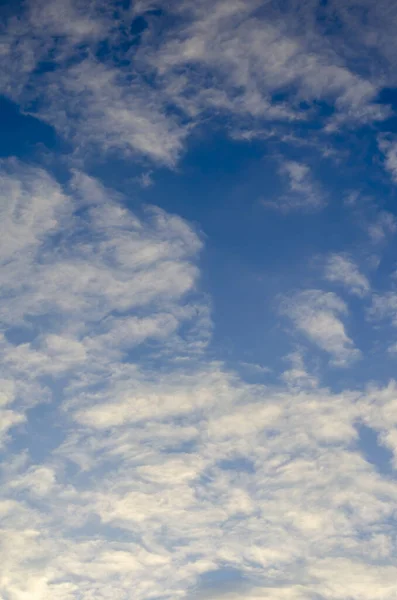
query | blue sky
[198, 300]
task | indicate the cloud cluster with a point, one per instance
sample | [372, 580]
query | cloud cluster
[135, 464]
[113, 78]
[84, 280]
[158, 469]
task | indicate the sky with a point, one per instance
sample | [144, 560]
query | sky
[198, 300]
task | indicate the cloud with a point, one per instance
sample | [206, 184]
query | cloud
[181, 504]
[142, 486]
[31, 205]
[316, 314]
[93, 103]
[84, 70]
[250, 59]
[297, 375]
[384, 224]
[70, 282]
[303, 192]
[111, 113]
[341, 269]
[389, 149]
[385, 306]
[135, 462]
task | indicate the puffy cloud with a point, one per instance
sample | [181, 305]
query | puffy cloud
[163, 514]
[297, 374]
[87, 282]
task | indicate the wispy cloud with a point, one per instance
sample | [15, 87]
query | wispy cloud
[389, 148]
[134, 463]
[145, 485]
[252, 58]
[106, 88]
[74, 301]
[383, 225]
[317, 315]
[303, 193]
[297, 375]
[340, 268]
[385, 306]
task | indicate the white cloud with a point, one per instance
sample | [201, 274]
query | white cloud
[75, 298]
[383, 225]
[250, 58]
[384, 307]
[297, 375]
[317, 315]
[31, 205]
[340, 268]
[299, 439]
[303, 192]
[389, 149]
[144, 96]
[112, 113]
[160, 465]
[145, 486]
[92, 103]
[255, 368]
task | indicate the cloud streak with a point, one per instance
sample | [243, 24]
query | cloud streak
[342, 269]
[108, 89]
[317, 315]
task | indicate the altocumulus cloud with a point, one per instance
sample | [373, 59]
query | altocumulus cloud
[136, 494]
[145, 94]
[136, 463]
